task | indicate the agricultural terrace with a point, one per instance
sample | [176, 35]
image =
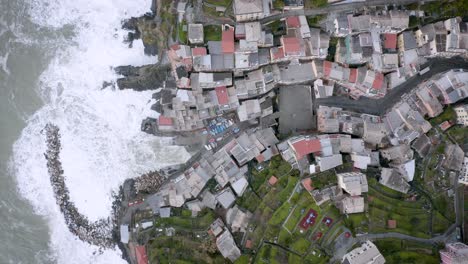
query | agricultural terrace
[403, 251]
[412, 213]
[278, 210]
[183, 239]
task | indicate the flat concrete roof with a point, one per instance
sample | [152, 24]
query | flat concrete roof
[296, 109]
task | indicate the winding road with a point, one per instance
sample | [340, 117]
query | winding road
[380, 106]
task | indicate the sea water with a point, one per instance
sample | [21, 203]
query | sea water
[63, 50]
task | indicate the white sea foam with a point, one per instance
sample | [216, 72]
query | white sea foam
[102, 144]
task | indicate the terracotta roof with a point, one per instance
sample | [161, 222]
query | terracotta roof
[445, 125]
[164, 121]
[307, 183]
[248, 244]
[279, 54]
[352, 75]
[222, 94]
[378, 81]
[291, 45]
[260, 158]
[390, 41]
[391, 224]
[327, 65]
[141, 256]
[273, 180]
[199, 51]
[306, 146]
[227, 40]
[293, 22]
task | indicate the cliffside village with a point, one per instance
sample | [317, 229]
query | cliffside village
[251, 97]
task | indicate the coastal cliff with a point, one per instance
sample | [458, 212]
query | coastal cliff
[140, 78]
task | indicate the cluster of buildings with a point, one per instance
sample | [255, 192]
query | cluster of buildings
[227, 166]
[238, 74]
[382, 41]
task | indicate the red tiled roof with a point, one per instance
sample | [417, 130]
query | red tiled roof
[445, 125]
[307, 183]
[391, 224]
[199, 51]
[222, 94]
[279, 54]
[273, 180]
[291, 45]
[141, 256]
[248, 244]
[353, 75]
[390, 41]
[260, 158]
[378, 81]
[293, 22]
[327, 65]
[164, 121]
[306, 146]
[227, 40]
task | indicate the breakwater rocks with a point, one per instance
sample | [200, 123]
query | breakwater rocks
[149, 182]
[101, 233]
[140, 78]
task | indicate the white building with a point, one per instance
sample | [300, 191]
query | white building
[353, 183]
[367, 253]
[463, 176]
[462, 114]
[248, 10]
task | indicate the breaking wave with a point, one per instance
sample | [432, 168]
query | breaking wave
[102, 144]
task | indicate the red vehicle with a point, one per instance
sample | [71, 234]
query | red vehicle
[317, 236]
[135, 202]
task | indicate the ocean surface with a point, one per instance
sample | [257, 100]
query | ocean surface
[54, 57]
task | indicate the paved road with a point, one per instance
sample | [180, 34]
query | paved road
[437, 239]
[337, 8]
[380, 106]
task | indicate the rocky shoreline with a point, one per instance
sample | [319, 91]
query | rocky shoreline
[101, 233]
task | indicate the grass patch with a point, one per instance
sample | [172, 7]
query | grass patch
[280, 215]
[182, 34]
[305, 203]
[316, 256]
[223, 3]
[278, 4]
[190, 244]
[212, 32]
[458, 133]
[447, 115]
[313, 21]
[403, 251]
[210, 11]
[315, 3]
[323, 179]
[411, 218]
[277, 28]
[300, 246]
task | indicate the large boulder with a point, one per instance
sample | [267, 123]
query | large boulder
[140, 78]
